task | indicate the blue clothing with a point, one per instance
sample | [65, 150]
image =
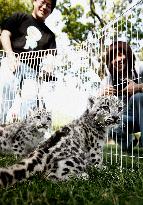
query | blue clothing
[10, 89]
[132, 122]
[132, 115]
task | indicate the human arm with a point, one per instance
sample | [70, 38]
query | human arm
[47, 67]
[109, 90]
[0, 40]
[6, 40]
[132, 87]
[47, 63]
[8, 37]
[12, 61]
[106, 87]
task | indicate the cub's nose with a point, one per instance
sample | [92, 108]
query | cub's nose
[44, 123]
[115, 118]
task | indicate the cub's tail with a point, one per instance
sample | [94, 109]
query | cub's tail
[23, 170]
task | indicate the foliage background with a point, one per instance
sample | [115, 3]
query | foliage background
[8, 7]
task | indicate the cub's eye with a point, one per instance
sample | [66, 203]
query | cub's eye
[120, 109]
[38, 117]
[105, 107]
[48, 118]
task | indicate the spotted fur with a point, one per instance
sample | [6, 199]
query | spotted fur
[70, 150]
[21, 138]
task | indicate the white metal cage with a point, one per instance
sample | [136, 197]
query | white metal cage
[63, 90]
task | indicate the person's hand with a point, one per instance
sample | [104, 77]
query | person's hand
[110, 90]
[47, 65]
[12, 61]
[131, 88]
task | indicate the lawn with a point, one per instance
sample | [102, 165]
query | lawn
[107, 186]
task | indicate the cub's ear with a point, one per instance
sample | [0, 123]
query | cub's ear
[1, 131]
[31, 112]
[91, 101]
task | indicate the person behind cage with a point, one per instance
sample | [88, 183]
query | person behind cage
[22, 33]
[125, 81]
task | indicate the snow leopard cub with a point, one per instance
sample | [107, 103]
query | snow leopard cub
[20, 138]
[70, 150]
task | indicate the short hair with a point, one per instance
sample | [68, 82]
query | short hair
[53, 4]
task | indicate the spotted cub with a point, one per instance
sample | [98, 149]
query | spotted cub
[21, 138]
[70, 150]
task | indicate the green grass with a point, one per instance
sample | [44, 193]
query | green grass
[114, 155]
[105, 186]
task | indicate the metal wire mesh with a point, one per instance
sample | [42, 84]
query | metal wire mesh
[61, 79]
[126, 28]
